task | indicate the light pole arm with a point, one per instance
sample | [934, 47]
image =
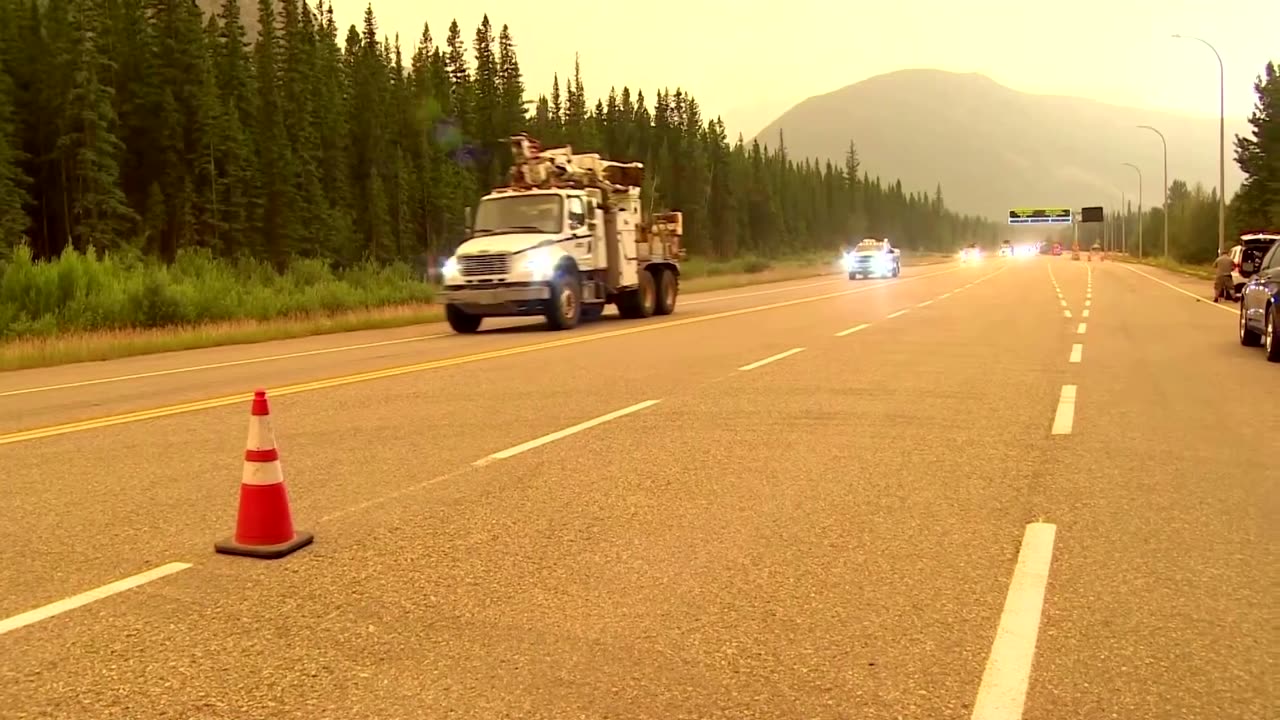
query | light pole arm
[1222, 141]
[1164, 144]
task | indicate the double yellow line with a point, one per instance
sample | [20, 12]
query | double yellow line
[140, 415]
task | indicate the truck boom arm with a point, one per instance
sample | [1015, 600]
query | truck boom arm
[535, 167]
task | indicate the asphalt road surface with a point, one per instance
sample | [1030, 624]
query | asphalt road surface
[1031, 488]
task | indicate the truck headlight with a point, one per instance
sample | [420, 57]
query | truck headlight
[846, 261]
[540, 264]
[450, 268]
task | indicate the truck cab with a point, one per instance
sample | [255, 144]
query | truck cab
[564, 238]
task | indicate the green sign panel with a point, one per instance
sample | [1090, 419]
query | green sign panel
[1040, 216]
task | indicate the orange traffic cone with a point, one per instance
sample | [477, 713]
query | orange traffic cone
[264, 525]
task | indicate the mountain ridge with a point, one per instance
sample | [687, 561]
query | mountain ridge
[925, 126]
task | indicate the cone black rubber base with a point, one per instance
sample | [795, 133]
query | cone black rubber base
[264, 552]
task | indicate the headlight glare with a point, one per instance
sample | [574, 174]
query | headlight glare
[539, 264]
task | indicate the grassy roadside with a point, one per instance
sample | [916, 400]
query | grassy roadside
[1202, 272]
[49, 349]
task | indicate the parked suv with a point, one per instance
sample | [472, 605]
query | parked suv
[1260, 306]
[1247, 256]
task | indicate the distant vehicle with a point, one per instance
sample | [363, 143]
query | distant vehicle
[872, 258]
[1246, 256]
[970, 253]
[1057, 249]
[1260, 306]
[1006, 249]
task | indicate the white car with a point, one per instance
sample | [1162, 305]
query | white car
[872, 258]
[1246, 256]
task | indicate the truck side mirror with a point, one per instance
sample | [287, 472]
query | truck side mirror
[591, 213]
[467, 219]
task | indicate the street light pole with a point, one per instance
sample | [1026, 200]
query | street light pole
[1135, 167]
[1222, 143]
[1165, 145]
[1124, 225]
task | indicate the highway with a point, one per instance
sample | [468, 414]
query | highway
[1026, 488]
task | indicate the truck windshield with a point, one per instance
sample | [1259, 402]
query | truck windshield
[528, 213]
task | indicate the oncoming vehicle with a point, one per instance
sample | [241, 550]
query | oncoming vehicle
[565, 237]
[971, 253]
[872, 258]
[1260, 306]
[1006, 249]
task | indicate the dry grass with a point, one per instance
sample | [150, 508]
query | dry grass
[112, 344]
[1203, 272]
[47, 351]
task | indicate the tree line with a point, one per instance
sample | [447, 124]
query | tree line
[144, 127]
[1193, 208]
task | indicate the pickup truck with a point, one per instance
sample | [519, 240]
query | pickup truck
[872, 258]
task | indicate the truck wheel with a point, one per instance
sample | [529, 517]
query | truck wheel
[638, 303]
[462, 321]
[565, 306]
[668, 287]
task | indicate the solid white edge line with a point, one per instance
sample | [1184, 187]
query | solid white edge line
[900, 312]
[699, 301]
[853, 329]
[84, 598]
[1076, 351]
[214, 366]
[1064, 416]
[323, 351]
[557, 435]
[1002, 695]
[926, 302]
[944, 295]
[1081, 328]
[771, 358]
[1175, 288]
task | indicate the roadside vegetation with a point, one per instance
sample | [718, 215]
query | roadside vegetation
[1203, 271]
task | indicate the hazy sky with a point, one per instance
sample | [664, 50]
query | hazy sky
[750, 61]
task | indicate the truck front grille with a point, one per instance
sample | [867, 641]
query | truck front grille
[484, 264]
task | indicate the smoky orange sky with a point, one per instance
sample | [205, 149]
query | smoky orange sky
[750, 61]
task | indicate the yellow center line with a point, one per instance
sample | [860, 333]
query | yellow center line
[164, 411]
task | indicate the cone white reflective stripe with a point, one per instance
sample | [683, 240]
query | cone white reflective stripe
[260, 473]
[261, 438]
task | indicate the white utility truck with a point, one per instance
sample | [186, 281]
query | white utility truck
[565, 237]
